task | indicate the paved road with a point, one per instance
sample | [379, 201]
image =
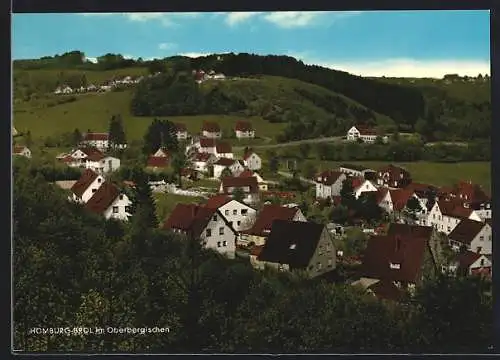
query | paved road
[289, 175]
[294, 143]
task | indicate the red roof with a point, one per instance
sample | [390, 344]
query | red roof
[400, 198]
[91, 136]
[466, 190]
[380, 194]
[103, 198]
[467, 258]
[453, 209]
[68, 159]
[180, 127]
[157, 161]
[256, 250]
[247, 173]
[217, 201]
[223, 147]
[280, 194]
[239, 182]
[382, 251]
[357, 182]
[92, 153]
[84, 182]
[18, 149]
[266, 217]
[386, 290]
[210, 126]
[466, 231]
[207, 143]
[366, 130]
[202, 157]
[395, 173]
[328, 177]
[224, 162]
[242, 125]
[189, 217]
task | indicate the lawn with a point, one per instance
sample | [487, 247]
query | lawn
[93, 111]
[165, 203]
[439, 174]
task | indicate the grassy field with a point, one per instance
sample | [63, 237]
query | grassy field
[165, 203]
[439, 174]
[94, 112]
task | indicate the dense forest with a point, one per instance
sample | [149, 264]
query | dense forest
[73, 268]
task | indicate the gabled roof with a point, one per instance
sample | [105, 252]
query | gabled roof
[217, 201]
[103, 198]
[400, 198]
[366, 130]
[84, 182]
[202, 157]
[328, 177]
[246, 173]
[92, 136]
[467, 258]
[380, 195]
[268, 215]
[210, 126]
[242, 125]
[466, 190]
[238, 182]
[453, 209]
[180, 127]
[466, 231]
[248, 153]
[92, 153]
[405, 230]
[357, 182]
[157, 161]
[207, 142]
[381, 251]
[223, 147]
[225, 162]
[394, 172]
[291, 242]
[386, 290]
[18, 149]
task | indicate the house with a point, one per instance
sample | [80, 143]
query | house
[191, 174]
[362, 132]
[261, 228]
[393, 177]
[248, 185]
[296, 245]
[91, 87]
[395, 201]
[14, 131]
[263, 185]
[211, 130]
[21, 151]
[358, 171]
[97, 140]
[206, 145]
[404, 260]
[252, 160]
[244, 130]
[157, 162]
[63, 90]
[446, 215]
[86, 186]
[427, 194]
[181, 131]
[475, 236]
[239, 215]
[201, 161]
[108, 164]
[161, 152]
[471, 195]
[223, 149]
[224, 163]
[381, 289]
[206, 224]
[329, 183]
[110, 202]
[471, 263]
[360, 186]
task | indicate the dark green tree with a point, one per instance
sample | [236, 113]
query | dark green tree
[179, 162]
[116, 132]
[238, 194]
[161, 133]
[143, 209]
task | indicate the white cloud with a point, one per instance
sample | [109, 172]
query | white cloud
[166, 46]
[402, 67]
[166, 19]
[234, 18]
[291, 19]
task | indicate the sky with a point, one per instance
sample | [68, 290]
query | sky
[366, 43]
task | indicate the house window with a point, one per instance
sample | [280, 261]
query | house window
[293, 246]
[214, 218]
[319, 266]
[482, 262]
[94, 190]
[226, 212]
[127, 209]
[115, 209]
[208, 233]
[394, 266]
[449, 229]
[218, 244]
[244, 212]
[121, 197]
[434, 216]
[221, 231]
[489, 238]
[330, 262]
[99, 180]
[238, 223]
[481, 238]
[235, 212]
[224, 243]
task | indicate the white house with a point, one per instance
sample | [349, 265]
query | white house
[63, 90]
[395, 200]
[181, 131]
[14, 131]
[233, 165]
[444, 216]
[206, 145]
[361, 186]
[263, 185]
[110, 202]
[97, 140]
[364, 133]
[248, 185]
[476, 236]
[244, 130]
[21, 151]
[471, 263]
[211, 130]
[329, 183]
[357, 171]
[206, 224]
[239, 215]
[86, 186]
[109, 164]
[201, 161]
[252, 160]
[223, 150]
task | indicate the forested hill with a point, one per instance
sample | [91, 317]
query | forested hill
[402, 103]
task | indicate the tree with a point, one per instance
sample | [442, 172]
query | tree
[273, 165]
[308, 170]
[161, 133]
[355, 242]
[413, 208]
[179, 162]
[339, 214]
[367, 207]
[322, 150]
[304, 150]
[116, 132]
[226, 172]
[76, 137]
[347, 193]
[143, 207]
[238, 194]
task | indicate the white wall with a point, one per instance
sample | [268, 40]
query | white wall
[216, 241]
[232, 211]
[245, 134]
[367, 186]
[253, 162]
[483, 240]
[211, 135]
[94, 186]
[120, 205]
[110, 164]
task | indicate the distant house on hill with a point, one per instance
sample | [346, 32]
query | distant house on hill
[329, 184]
[358, 171]
[211, 130]
[223, 149]
[63, 90]
[362, 132]
[97, 140]
[157, 162]
[393, 177]
[14, 131]
[252, 160]
[248, 185]
[181, 131]
[244, 130]
[21, 151]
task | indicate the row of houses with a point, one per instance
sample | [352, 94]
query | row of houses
[90, 158]
[242, 129]
[201, 76]
[105, 86]
[365, 134]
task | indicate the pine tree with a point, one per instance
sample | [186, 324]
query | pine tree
[143, 208]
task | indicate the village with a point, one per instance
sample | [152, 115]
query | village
[424, 229]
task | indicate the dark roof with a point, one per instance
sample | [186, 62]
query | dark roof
[239, 182]
[242, 125]
[92, 153]
[454, 209]
[202, 157]
[157, 161]
[396, 173]
[355, 167]
[467, 258]
[366, 130]
[207, 142]
[189, 217]
[400, 198]
[386, 290]
[90, 136]
[103, 198]
[217, 201]
[268, 215]
[381, 251]
[180, 127]
[466, 190]
[424, 232]
[224, 162]
[466, 231]
[223, 147]
[284, 235]
[84, 182]
[328, 177]
[210, 126]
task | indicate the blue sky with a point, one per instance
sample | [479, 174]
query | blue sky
[370, 43]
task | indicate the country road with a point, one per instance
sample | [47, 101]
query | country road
[294, 143]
